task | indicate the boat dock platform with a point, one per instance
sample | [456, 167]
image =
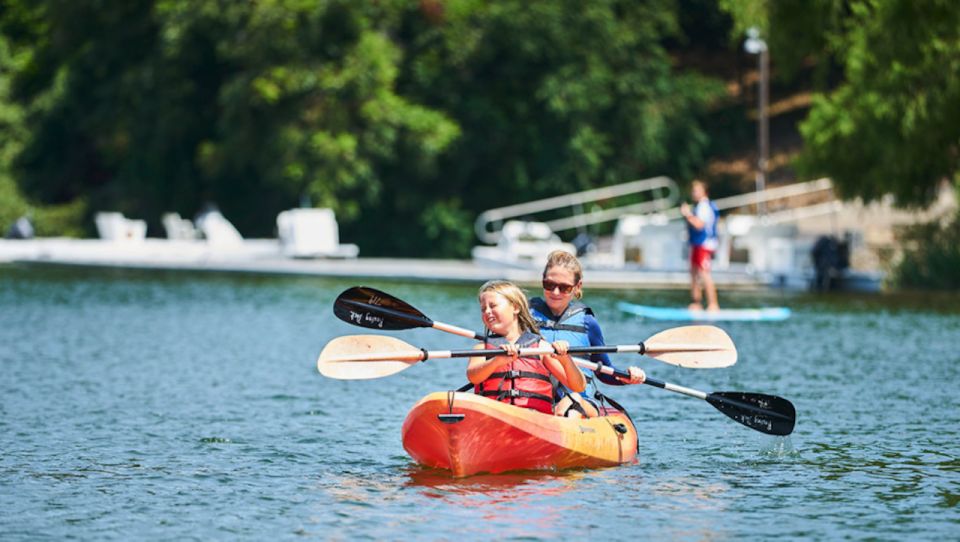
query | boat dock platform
[264, 256]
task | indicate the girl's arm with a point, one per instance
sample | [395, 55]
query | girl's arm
[480, 368]
[563, 367]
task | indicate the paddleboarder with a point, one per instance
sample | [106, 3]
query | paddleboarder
[702, 236]
[561, 315]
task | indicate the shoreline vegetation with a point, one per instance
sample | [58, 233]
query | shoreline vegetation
[931, 256]
[411, 118]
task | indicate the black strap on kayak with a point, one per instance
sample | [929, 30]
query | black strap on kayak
[601, 397]
[575, 405]
[449, 417]
[466, 387]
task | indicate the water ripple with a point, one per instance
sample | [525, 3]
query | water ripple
[183, 406]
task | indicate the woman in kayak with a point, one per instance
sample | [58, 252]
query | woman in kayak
[511, 378]
[561, 315]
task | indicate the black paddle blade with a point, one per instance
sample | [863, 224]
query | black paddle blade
[370, 308]
[765, 413]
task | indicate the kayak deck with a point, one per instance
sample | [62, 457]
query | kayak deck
[469, 434]
[766, 314]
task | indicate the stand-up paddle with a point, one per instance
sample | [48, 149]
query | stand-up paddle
[698, 347]
[358, 357]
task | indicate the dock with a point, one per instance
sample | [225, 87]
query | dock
[264, 256]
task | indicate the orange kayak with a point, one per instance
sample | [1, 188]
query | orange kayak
[469, 434]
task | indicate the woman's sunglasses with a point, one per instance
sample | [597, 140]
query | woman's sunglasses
[550, 286]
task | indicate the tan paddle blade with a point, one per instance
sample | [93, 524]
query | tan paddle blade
[350, 357]
[697, 347]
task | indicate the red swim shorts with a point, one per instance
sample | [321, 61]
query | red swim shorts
[700, 258]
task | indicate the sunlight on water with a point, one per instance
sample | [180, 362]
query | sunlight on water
[176, 405]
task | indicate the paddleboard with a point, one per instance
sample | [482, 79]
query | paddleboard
[766, 314]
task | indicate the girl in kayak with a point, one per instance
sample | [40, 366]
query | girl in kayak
[519, 380]
[561, 315]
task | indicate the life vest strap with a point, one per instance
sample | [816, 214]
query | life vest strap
[512, 394]
[512, 375]
[564, 327]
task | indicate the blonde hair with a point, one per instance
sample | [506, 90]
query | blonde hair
[702, 185]
[562, 258]
[517, 298]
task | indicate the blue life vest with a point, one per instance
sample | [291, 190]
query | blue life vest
[699, 237]
[569, 326]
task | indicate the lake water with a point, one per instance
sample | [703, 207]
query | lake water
[177, 406]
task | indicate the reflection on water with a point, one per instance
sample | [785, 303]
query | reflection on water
[493, 488]
[506, 505]
[186, 406]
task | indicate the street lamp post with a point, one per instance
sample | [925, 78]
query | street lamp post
[756, 46]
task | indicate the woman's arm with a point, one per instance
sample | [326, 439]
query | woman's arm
[595, 334]
[563, 367]
[480, 368]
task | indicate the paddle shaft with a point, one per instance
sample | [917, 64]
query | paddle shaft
[613, 371]
[423, 354]
[640, 348]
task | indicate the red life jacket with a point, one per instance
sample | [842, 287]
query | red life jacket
[524, 382]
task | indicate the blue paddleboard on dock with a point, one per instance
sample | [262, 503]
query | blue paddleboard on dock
[766, 314]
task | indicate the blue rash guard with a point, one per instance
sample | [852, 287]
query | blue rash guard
[578, 326]
[707, 237]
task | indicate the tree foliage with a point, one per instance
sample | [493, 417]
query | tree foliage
[892, 126]
[551, 97]
[931, 257]
[407, 118]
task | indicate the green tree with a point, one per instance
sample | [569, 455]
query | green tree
[158, 106]
[407, 118]
[12, 134]
[892, 126]
[931, 257]
[48, 220]
[551, 97]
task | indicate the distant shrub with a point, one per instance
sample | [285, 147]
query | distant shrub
[931, 256]
[61, 220]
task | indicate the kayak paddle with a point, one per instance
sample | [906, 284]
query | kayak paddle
[357, 357]
[765, 413]
[699, 347]
[370, 308]
[352, 355]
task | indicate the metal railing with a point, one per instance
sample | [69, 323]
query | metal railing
[771, 194]
[656, 185]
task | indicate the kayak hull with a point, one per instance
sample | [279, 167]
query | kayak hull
[492, 437]
[766, 314]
